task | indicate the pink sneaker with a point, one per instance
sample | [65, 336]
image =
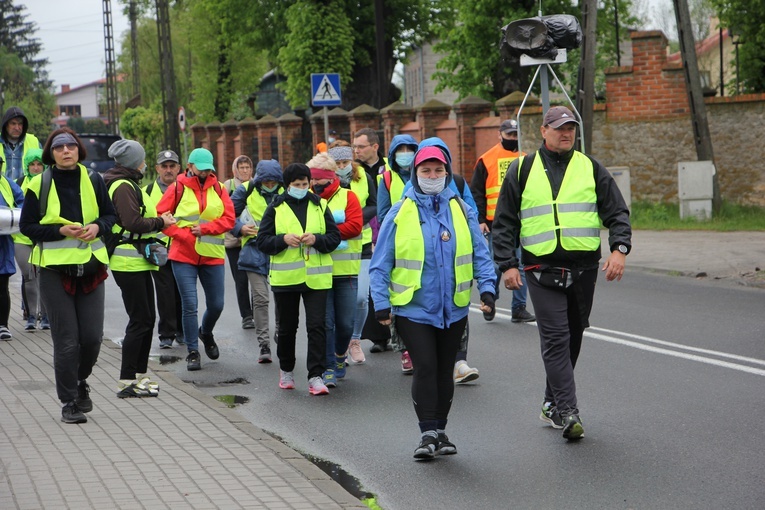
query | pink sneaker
[286, 380]
[317, 387]
[406, 363]
[355, 352]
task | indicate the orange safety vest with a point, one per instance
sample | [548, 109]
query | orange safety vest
[496, 160]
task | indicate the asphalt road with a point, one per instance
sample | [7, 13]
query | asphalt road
[670, 385]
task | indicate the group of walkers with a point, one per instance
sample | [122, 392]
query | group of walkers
[386, 249]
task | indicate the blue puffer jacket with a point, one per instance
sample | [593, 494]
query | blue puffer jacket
[251, 258]
[7, 261]
[432, 304]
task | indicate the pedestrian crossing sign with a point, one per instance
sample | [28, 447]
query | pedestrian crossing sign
[325, 89]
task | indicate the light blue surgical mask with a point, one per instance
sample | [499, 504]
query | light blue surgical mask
[297, 193]
[271, 189]
[404, 159]
[432, 186]
[345, 174]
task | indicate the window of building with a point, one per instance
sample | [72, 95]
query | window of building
[70, 110]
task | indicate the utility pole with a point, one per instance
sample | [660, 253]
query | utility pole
[111, 74]
[699, 122]
[585, 91]
[132, 9]
[382, 86]
[167, 74]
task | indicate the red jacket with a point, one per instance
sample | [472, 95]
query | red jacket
[182, 248]
[354, 220]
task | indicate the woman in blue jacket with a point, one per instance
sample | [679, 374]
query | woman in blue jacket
[430, 236]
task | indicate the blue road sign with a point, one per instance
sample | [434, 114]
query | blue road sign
[325, 89]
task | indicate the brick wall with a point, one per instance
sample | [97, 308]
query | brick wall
[645, 125]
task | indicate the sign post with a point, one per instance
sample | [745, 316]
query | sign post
[182, 125]
[325, 91]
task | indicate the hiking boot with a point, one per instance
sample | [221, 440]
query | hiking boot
[572, 424]
[328, 377]
[193, 361]
[463, 373]
[83, 397]
[316, 386]
[380, 346]
[31, 324]
[445, 447]
[5, 333]
[135, 389]
[211, 348]
[340, 366]
[265, 354]
[427, 448]
[406, 363]
[286, 380]
[551, 415]
[44, 324]
[165, 343]
[355, 352]
[522, 315]
[248, 323]
[70, 413]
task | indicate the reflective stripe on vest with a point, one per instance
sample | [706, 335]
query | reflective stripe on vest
[126, 257]
[348, 261]
[406, 277]
[69, 250]
[361, 189]
[187, 214]
[496, 160]
[573, 215]
[297, 265]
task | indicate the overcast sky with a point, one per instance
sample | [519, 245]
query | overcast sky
[72, 34]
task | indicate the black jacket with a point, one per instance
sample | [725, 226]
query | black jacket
[272, 244]
[506, 227]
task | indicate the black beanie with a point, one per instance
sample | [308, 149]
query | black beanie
[296, 171]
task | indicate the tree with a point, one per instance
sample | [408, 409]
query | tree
[17, 37]
[143, 125]
[469, 41]
[701, 13]
[744, 18]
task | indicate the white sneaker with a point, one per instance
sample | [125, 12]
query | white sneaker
[317, 387]
[5, 333]
[463, 373]
[355, 352]
[286, 380]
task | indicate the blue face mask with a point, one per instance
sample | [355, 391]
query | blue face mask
[404, 159]
[271, 189]
[297, 193]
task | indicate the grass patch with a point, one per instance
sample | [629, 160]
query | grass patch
[664, 216]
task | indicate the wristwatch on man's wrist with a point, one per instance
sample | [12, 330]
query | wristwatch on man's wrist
[622, 249]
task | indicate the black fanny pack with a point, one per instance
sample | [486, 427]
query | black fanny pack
[555, 277]
[89, 268]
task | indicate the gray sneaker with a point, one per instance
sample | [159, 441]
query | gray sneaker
[551, 415]
[572, 425]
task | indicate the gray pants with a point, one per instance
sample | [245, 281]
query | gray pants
[77, 327]
[30, 284]
[260, 299]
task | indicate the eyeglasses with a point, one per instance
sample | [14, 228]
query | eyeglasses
[359, 147]
[69, 146]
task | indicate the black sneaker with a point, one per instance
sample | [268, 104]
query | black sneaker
[265, 354]
[445, 447]
[551, 415]
[70, 413]
[427, 448]
[193, 361]
[522, 315]
[380, 346]
[211, 348]
[83, 397]
[572, 425]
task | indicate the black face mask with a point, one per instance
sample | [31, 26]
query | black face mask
[202, 179]
[510, 145]
[319, 188]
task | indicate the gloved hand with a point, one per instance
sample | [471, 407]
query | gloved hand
[382, 315]
[342, 246]
[339, 216]
[487, 298]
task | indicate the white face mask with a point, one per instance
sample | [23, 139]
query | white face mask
[432, 186]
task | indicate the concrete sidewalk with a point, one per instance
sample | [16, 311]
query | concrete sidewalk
[182, 449]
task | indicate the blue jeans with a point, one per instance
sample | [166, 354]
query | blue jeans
[362, 300]
[519, 296]
[212, 278]
[341, 301]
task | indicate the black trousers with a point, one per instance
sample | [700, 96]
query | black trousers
[241, 282]
[432, 351]
[562, 316]
[76, 328]
[5, 299]
[138, 296]
[288, 313]
[168, 303]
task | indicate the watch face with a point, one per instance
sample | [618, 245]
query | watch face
[623, 249]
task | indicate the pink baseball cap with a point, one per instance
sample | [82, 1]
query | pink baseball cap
[427, 153]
